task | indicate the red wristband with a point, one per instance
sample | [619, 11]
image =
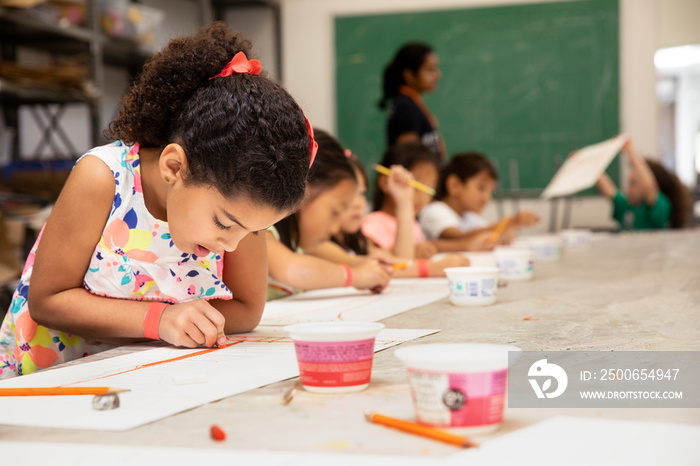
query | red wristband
[423, 268]
[151, 320]
[349, 276]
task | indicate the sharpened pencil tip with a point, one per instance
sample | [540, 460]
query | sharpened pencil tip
[368, 415]
[468, 443]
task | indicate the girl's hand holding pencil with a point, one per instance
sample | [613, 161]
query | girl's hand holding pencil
[191, 324]
[399, 184]
[413, 183]
[370, 275]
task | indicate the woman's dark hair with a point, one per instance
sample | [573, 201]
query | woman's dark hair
[410, 56]
[464, 165]
[330, 167]
[406, 154]
[356, 242]
[242, 134]
[671, 186]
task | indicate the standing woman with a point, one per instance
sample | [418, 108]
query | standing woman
[413, 71]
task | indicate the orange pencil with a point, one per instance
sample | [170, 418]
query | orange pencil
[499, 229]
[52, 391]
[425, 431]
[399, 266]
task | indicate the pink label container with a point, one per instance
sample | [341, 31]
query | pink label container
[458, 385]
[334, 357]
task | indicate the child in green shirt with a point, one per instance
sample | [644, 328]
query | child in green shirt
[654, 199]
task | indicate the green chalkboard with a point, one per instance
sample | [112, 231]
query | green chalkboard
[529, 83]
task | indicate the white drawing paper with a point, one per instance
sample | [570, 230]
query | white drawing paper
[158, 380]
[582, 170]
[350, 304]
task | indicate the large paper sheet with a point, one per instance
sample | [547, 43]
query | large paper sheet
[582, 170]
[561, 440]
[349, 304]
[577, 441]
[164, 381]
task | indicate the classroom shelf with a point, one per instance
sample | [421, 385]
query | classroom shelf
[13, 92]
[19, 28]
[22, 25]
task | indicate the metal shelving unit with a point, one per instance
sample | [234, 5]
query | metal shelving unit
[47, 104]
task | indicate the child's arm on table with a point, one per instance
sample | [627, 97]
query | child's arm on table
[57, 298]
[331, 251]
[307, 272]
[245, 274]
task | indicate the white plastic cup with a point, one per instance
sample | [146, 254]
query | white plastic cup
[334, 357]
[545, 247]
[472, 286]
[514, 264]
[480, 258]
[458, 385]
[576, 239]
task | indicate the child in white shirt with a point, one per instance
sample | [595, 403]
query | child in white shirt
[464, 189]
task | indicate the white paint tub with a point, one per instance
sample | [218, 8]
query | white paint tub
[514, 264]
[472, 286]
[577, 239]
[458, 385]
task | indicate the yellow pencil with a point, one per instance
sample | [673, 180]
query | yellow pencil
[418, 429]
[499, 229]
[52, 391]
[413, 183]
[399, 266]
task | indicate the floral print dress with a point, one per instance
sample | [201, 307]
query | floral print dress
[135, 259]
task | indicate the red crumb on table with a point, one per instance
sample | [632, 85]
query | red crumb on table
[217, 433]
[530, 318]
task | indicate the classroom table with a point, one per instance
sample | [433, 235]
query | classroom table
[629, 291]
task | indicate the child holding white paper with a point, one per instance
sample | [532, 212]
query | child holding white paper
[465, 188]
[653, 199]
[331, 189]
[150, 236]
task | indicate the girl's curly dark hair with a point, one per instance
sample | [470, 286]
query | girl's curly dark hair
[671, 186]
[242, 134]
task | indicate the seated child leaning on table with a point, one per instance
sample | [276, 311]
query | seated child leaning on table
[464, 189]
[349, 246]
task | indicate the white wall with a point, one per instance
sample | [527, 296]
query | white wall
[258, 24]
[679, 22]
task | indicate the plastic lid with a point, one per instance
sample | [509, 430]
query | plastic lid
[456, 357]
[333, 331]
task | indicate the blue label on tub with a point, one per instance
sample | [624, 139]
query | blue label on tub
[488, 287]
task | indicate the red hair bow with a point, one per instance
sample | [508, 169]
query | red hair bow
[314, 144]
[240, 64]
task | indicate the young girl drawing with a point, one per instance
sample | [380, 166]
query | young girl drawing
[331, 189]
[351, 247]
[150, 235]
